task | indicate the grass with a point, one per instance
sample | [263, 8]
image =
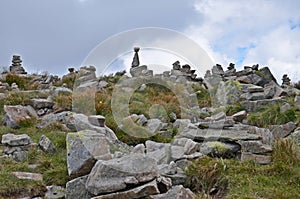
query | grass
[52, 166]
[272, 116]
[235, 179]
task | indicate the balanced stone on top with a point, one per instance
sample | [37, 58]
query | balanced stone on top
[135, 61]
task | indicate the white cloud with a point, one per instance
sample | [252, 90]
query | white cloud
[245, 32]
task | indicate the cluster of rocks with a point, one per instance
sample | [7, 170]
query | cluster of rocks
[16, 66]
[17, 146]
[178, 72]
[252, 87]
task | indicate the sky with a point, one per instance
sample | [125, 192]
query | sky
[53, 35]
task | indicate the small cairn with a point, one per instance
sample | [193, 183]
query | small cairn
[286, 81]
[16, 66]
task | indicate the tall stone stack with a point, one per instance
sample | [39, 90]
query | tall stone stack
[16, 66]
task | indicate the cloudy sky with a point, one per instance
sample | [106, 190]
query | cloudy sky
[52, 35]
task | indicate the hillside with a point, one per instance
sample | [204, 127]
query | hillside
[230, 134]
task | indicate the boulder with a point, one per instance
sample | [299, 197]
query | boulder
[154, 125]
[140, 148]
[181, 124]
[297, 101]
[176, 192]
[46, 145]
[228, 93]
[266, 134]
[256, 147]
[15, 140]
[259, 159]
[142, 191]
[97, 120]
[286, 106]
[255, 89]
[138, 71]
[253, 106]
[239, 116]
[218, 134]
[78, 122]
[118, 174]
[220, 124]
[41, 103]
[15, 115]
[55, 192]
[253, 96]
[219, 149]
[282, 131]
[266, 76]
[83, 150]
[76, 188]
[158, 151]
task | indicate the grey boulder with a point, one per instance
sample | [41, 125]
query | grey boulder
[118, 174]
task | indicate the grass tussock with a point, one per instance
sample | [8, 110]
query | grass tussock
[279, 179]
[271, 116]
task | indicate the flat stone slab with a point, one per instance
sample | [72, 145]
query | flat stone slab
[15, 140]
[121, 173]
[138, 192]
[218, 134]
[28, 176]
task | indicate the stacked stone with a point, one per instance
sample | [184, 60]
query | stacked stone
[16, 66]
[183, 71]
[136, 70]
[16, 146]
[286, 81]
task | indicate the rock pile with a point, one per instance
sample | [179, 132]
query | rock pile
[16, 66]
[16, 146]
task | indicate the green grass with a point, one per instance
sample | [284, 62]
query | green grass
[279, 179]
[272, 116]
[52, 166]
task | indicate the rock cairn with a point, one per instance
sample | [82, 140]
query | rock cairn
[16, 66]
[286, 81]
